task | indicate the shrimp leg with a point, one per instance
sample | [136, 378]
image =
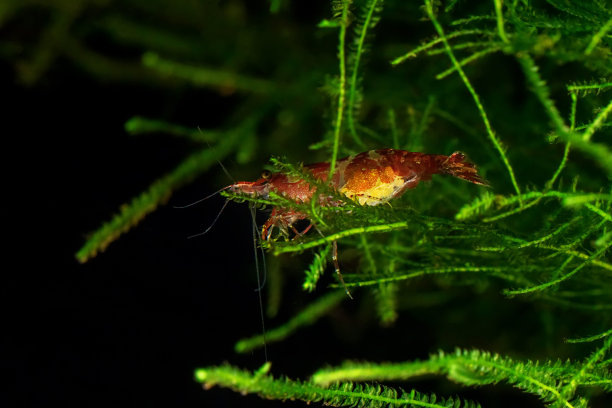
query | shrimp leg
[337, 267]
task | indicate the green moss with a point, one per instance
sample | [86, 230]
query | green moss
[523, 87]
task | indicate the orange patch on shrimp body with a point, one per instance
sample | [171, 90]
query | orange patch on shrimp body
[372, 186]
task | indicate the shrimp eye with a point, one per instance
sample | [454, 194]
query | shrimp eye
[265, 174]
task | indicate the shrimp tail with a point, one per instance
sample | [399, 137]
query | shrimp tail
[456, 165]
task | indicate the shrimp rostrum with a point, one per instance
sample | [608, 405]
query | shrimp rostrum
[369, 178]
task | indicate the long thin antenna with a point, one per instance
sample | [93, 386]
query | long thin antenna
[265, 270]
[259, 284]
[202, 199]
[218, 161]
[213, 223]
[227, 173]
[216, 192]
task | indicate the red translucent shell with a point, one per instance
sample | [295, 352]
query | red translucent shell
[370, 178]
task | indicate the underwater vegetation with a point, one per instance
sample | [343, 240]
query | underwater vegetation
[507, 285]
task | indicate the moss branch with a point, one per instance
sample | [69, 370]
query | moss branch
[281, 249]
[341, 87]
[360, 48]
[220, 79]
[337, 395]
[466, 81]
[159, 193]
[471, 367]
[306, 317]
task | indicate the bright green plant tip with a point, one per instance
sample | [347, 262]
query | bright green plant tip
[200, 375]
[350, 371]
[591, 338]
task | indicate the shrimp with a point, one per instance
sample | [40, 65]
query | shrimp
[370, 178]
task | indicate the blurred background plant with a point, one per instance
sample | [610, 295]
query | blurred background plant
[523, 87]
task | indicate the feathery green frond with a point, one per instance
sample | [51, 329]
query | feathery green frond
[336, 395]
[159, 193]
[585, 89]
[467, 60]
[369, 14]
[560, 279]
[387, 303]
[466, 81]
[285, 248]
[436, 41]
[342, 15]
[587, 369]
[531, 71]
[316, 268]
[475, 367]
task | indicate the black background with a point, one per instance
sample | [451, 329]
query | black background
[130, 326]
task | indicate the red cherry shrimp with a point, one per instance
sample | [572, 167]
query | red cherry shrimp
[370, 178]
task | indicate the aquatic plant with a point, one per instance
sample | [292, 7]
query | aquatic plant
[522, 87]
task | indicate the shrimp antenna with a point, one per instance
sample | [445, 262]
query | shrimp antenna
[213, 194]
[227, 173]
[263, 255]
[213, 223]
[202, 199]
[259, 282]
[265, 269]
